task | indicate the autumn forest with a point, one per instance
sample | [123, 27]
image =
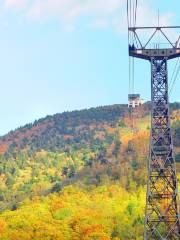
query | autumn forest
[78, 175]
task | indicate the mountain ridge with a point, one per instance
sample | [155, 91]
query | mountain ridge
[31, 130]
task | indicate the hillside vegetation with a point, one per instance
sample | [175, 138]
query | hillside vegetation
[78, 175]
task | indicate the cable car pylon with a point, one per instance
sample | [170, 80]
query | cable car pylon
[162, 220]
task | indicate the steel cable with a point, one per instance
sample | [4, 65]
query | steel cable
[174, 76]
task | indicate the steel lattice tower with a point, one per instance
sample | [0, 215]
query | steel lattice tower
[162, 209]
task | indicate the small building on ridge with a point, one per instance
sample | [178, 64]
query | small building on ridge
[134, 100]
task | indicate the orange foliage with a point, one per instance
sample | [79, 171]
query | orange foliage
[67, 137]
[141, 142]
[2, 227]
[3, 148]
[93, 126]
[57, 205]
[176, 115]
[124, 140]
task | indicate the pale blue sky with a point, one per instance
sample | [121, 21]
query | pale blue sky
[59, 55]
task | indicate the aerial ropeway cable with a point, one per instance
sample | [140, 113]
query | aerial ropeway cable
[131, 19]
[132, 6]
[174, 76]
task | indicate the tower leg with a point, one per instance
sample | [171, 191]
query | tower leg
[162, 216]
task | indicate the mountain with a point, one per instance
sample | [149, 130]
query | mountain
[83, 163]
[61, 131]
[57, 131]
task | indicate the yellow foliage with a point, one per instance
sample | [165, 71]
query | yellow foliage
[77, 214]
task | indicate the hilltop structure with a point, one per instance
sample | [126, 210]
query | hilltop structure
[134, 100]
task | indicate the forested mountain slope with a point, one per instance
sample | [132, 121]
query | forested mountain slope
[70, 166]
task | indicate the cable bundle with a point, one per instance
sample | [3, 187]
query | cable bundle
[132, 6]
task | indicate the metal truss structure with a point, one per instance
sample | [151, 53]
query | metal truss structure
[162, 210]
